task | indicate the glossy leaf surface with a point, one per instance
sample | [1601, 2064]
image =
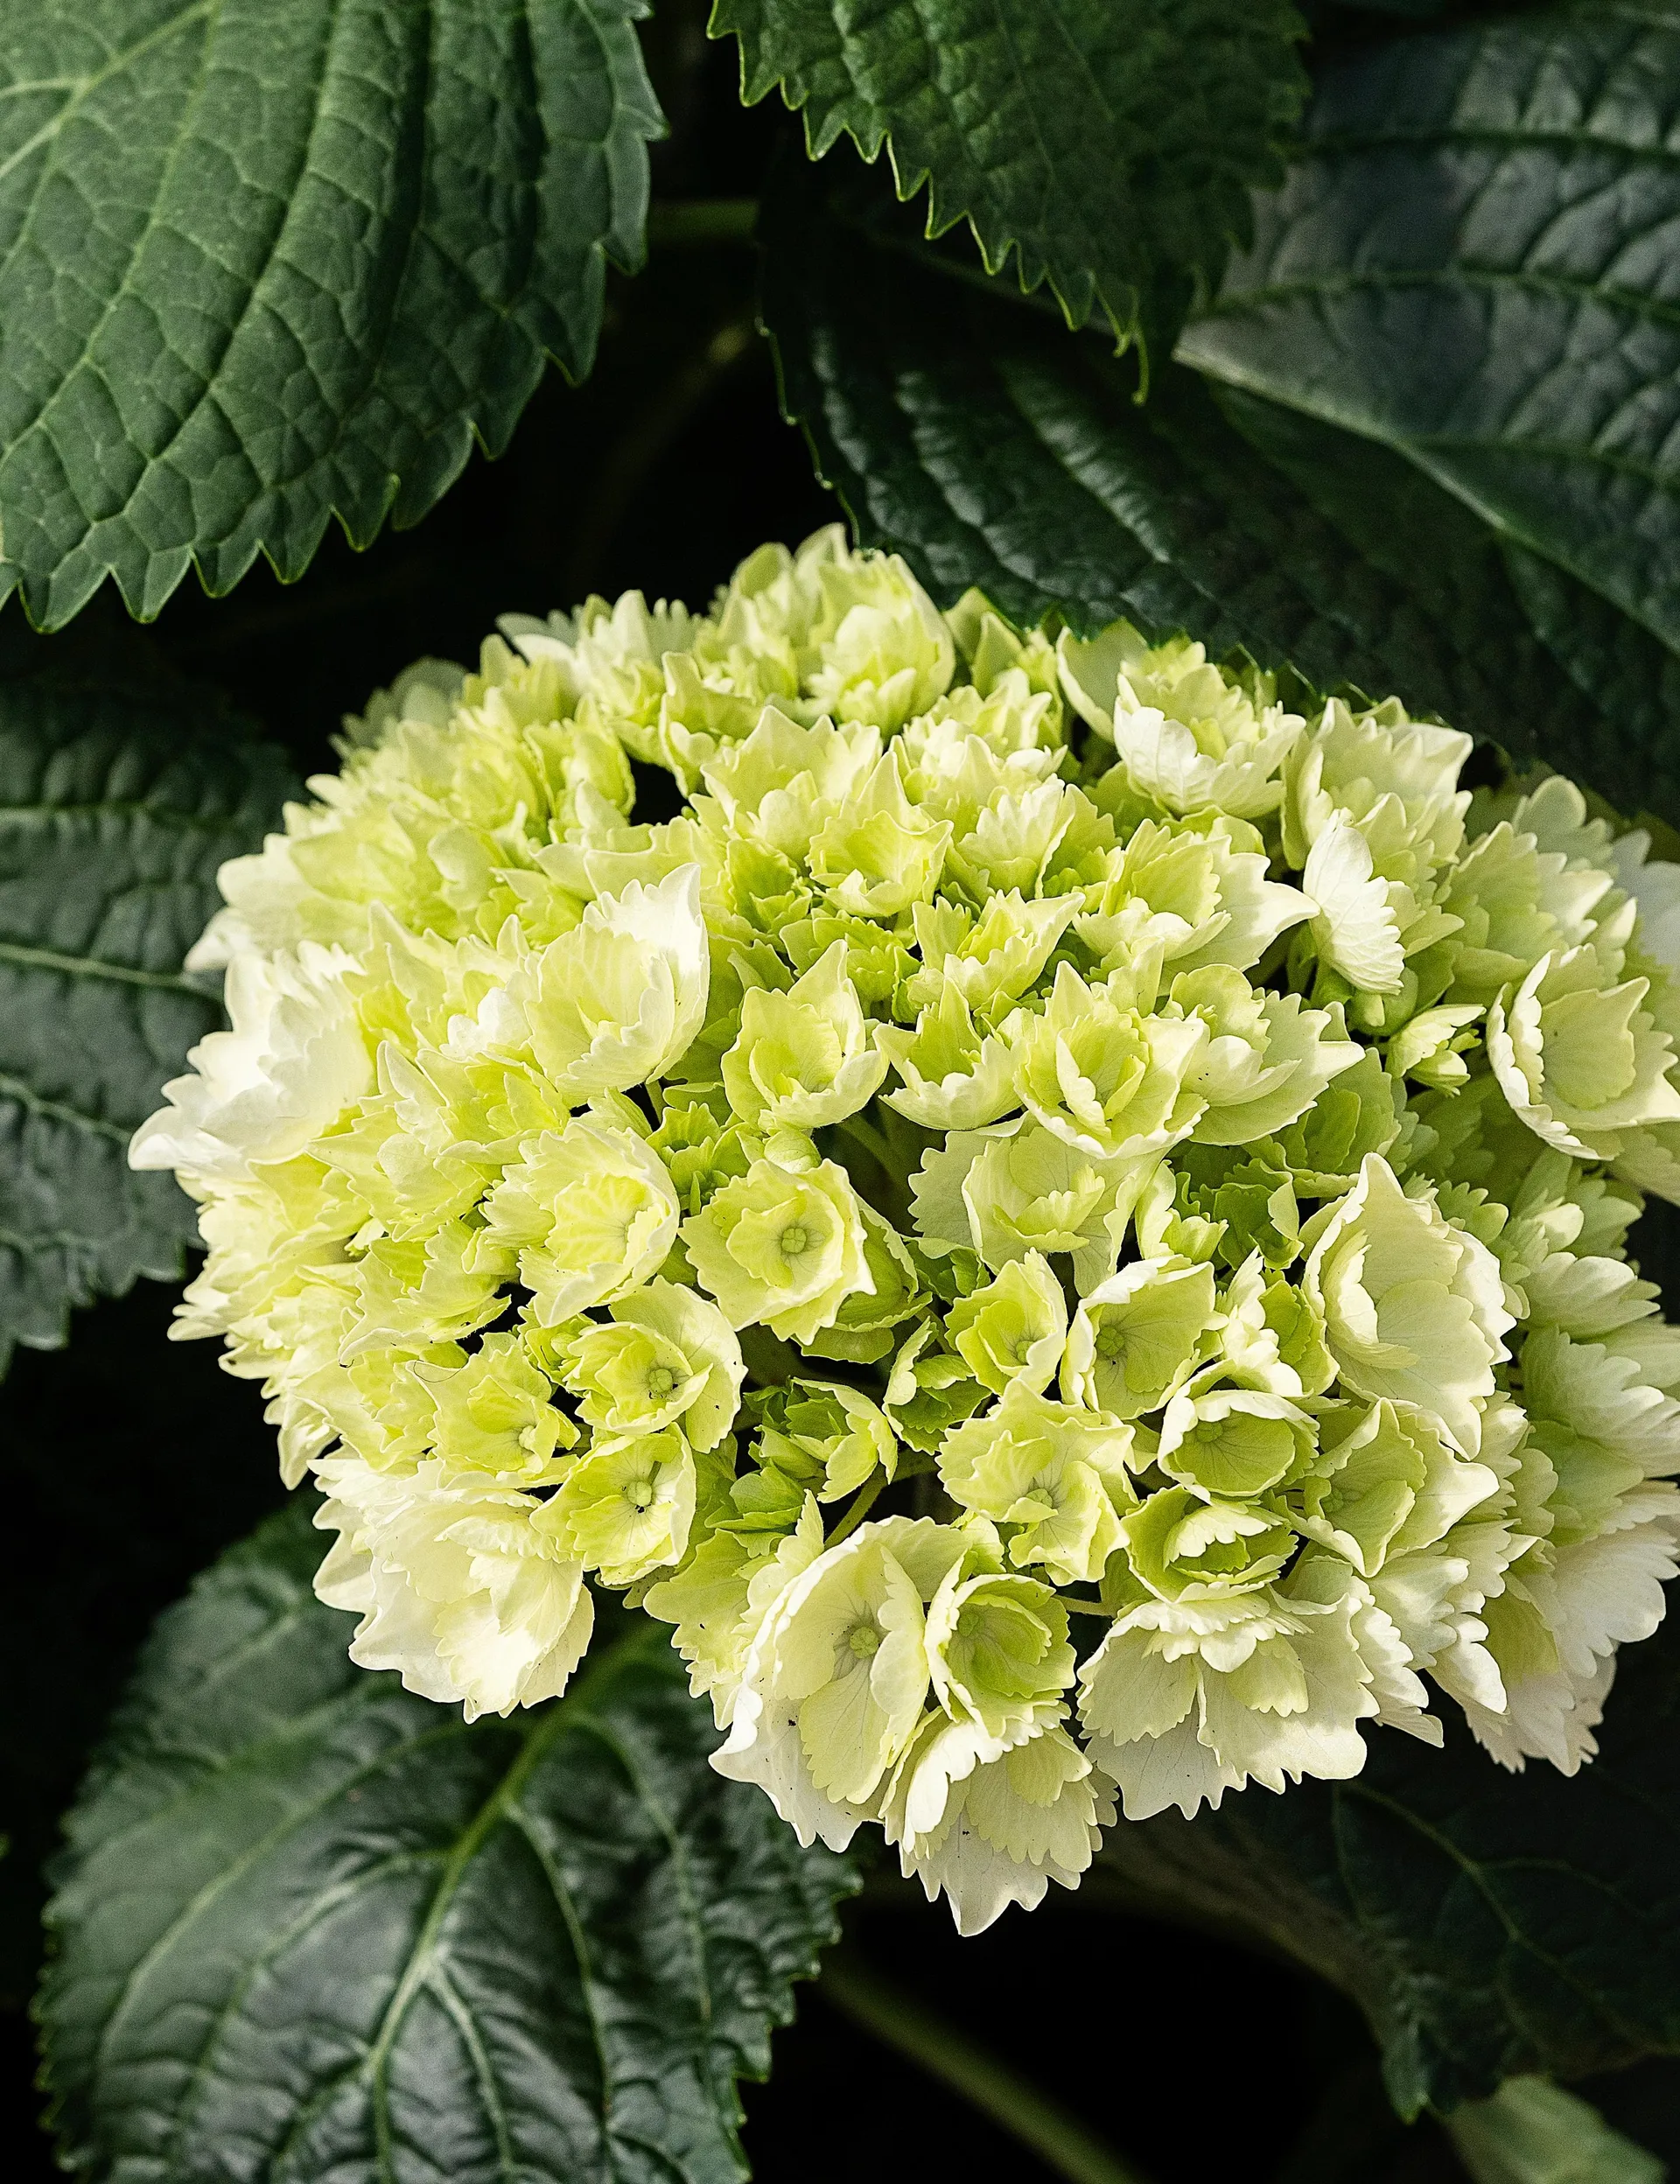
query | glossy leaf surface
[315, 1927]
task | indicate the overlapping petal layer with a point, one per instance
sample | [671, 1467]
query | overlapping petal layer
[1064, 1223]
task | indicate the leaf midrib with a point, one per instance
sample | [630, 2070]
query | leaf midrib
[317, 1907]
[164, 816]
[25, 226]
[352, 1698]
[679, 1852]
[81, 88]
[157, 457]
[573, 1709]
[1338, 144]
[1138, 527]
[36, 1246]
[60, 1111]
[1572, 288]
[1499, 519]
[439, 1984]
[30, 958]
[1476, 1871]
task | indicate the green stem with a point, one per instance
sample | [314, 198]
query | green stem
[702, 221]
[869, 1137]
[889, 1197]
[862, 1505]
[770, 1362]
[1058, 2140]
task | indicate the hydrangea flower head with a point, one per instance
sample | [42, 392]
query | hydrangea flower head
[1063, 1222]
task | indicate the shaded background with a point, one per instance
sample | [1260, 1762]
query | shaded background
[133, 1461]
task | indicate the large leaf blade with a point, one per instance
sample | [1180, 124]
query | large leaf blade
[315, 248]
[1472, 263]
[1109, 144]
[307, 1916]
[969, 433]
[121, 794]
[1490, 1924]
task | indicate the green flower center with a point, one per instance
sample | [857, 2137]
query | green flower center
[796, 1240]
[865, 1641]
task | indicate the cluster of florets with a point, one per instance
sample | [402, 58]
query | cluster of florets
[1062, 1221]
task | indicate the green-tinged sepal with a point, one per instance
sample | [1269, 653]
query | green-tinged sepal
[1359, 1114]
[781, 1245]
[665, 1355]
[1137, 1336]
[494, 1413]
[590, 1212]
[830, 1438]
[1054, 1477]
[1013, 1328]
[626, 1510]
[804, 1058]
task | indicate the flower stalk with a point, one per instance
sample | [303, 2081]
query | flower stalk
[904, 2023]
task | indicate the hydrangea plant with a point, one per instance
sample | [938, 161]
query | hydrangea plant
[1063, 1221]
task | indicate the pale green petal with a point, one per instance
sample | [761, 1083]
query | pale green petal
[1207, 1143]
[1013, 1328]
[590, 1213]
[1137, 1336]
[781, 1247]
[1413, 1308]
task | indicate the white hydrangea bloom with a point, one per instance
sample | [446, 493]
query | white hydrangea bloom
[1189, 738]
[293, 1060]
[1413, 1308]
[833, 1687]
[1199, 893]
[990, 1832]
[1066, 1227]
[1187, 1698]
[612, 1002]
[1579, 1058]
[463, 1590]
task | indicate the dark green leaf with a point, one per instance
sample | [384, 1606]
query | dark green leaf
[1488, 1924]
[1547, 668]
[1475, 263]
[970, 433]
[311, 1926]
[1111, 144]
[263, 264]
[1334, 11]
[120, 795]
